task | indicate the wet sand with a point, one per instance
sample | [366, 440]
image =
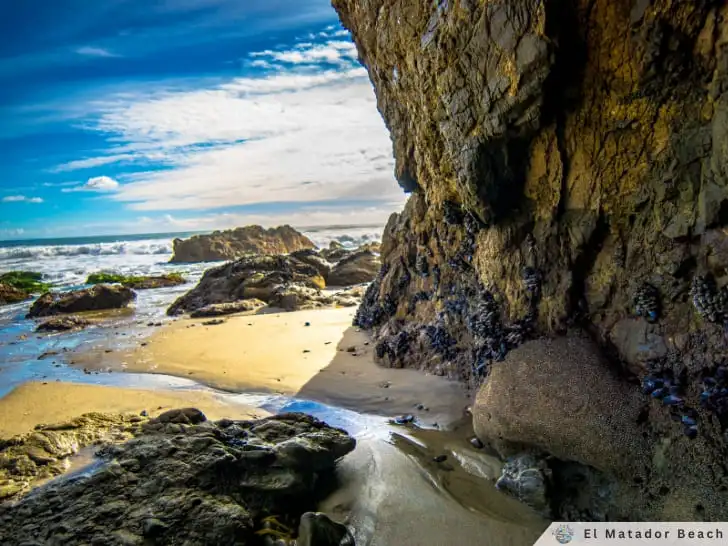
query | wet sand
[35, 403]
[328, 361]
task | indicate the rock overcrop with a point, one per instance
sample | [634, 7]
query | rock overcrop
[236, 243]
[97, 298]
[566, 164]
[356, 268]
[184, 480]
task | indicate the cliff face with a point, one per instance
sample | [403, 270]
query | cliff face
[567, 163]
[236, 243]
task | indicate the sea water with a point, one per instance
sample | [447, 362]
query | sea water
[66, 264]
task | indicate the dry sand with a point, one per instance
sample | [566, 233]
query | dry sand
[35, 403]
[279, 353]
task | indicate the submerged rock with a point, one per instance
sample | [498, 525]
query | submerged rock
[357, 268]
[62, 324]
[236, 243]
[183, 479]
[96, 298]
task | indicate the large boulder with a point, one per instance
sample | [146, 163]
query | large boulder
[561, 397]
[235, 243]
[96, 298]
[181, 479]
[9, 294]
[359, 267]
[257, 277]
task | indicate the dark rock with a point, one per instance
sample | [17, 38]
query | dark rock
[62, 324]
[359, 267]
[312, 258]
[255, 277]
[476, 443]
[527, 478]
[96, 298]
[176, 482]
[440, 458]
[236, 243]
[213, 322]
[317, 529]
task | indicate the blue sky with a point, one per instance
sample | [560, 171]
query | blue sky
[133, 116]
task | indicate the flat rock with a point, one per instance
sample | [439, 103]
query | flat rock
[220, 309]
[99, 297]
[62, 324]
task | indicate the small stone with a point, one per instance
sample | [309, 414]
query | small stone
[307, 324]
[351, 349]
[440, 458]
[420, 407]
[476, 443]
[306, 351]
[144, 413]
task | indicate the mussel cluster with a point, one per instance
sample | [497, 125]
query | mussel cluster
[404, 279]
[472, 224]
[370, 313]
[714, 397]
[422, 267]
[711, 303]
[663, 385]
[452, 213]
[440, 340]
[417, 298]
[647, 302]
[532, 281]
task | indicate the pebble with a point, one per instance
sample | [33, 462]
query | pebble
[476, 443]
[144, 413]
[351, 349]
[440, 458]
[404, 419]
[306, 351]
[307, 324]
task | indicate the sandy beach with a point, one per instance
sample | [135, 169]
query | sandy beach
[36, 403]
[314, 355]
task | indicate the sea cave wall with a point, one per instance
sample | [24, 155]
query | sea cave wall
[568, 168]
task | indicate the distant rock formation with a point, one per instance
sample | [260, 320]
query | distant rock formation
[236, 243]
[180, 480]
[96, 298]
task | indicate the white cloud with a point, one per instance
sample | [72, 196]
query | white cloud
[11, 232]
[21, 199]
[92, 162]
[97, 183]
[304, 134]
[90, 51]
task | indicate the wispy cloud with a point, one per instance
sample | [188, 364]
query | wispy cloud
[95, 184]
[21, 199]
[90, 51]
[308, 132]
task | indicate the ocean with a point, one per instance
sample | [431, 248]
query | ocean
[66, 263]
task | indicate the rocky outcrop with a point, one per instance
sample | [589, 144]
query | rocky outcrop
[314, 259]
[10, 294]
[96, 298]
[220, 309]
[567, 168]
[62, 324]
[137, 283]
[182, 479]
[359, 267]
[235, 243]
[257, 277]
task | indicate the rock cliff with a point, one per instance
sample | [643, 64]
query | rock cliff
[235, 243]
[567, 165]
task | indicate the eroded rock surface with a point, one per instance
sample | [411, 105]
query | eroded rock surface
[10, 294]
[96, 298]
[567, 168]
[62, 324]
[356, 268]
[235, 243]
[184, 480]
[257, 277]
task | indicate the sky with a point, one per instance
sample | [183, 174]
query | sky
[142, 116]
